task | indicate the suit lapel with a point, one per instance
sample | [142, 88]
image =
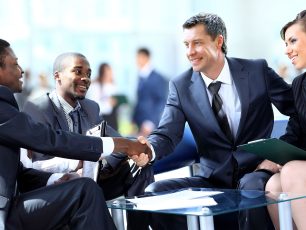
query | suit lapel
[85, 123]
[59, 113]
[199, 94]
[241, 81]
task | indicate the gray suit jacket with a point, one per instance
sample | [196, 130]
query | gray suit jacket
[47, 109]
[18, 130]
[258, 86]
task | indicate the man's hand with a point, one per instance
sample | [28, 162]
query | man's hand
[66, 177]
[141, 160]
[270, 166]
[79, 166]
[131, 147]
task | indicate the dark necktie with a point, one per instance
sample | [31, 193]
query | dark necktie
[217, 108]
[76, 121]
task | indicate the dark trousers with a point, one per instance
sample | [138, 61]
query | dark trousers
[253, 219]
[78, 204]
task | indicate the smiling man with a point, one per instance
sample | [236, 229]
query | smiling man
[65, 108]
[226, 102]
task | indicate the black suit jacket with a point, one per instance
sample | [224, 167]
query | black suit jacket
[18, 130]
[257, 85]
[296, 129]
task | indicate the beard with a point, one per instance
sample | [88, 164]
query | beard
[79, 97]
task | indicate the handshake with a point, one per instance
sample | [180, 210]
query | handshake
[133, 148]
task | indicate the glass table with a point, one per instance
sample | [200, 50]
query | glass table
[199, 215]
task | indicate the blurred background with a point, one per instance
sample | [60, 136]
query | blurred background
[112, 31]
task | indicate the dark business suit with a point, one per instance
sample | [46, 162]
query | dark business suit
[296, 129]
[50, 207]
[151, 99]
[222, 165]
[47, 109]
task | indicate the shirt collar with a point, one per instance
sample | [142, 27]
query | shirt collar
[145, 71]
[66, 106]
[224, 76]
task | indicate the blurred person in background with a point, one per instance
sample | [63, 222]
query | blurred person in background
[151, 94]
[102, 91]
[41, 88]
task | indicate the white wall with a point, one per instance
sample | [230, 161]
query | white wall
[111, 31]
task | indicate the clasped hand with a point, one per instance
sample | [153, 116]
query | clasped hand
[138, 150]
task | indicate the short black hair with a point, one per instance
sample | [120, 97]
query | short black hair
[59, 66]
[299, 19]
[144, 50]
[213, 24]
[3, 52]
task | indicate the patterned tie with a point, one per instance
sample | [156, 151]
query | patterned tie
[76, 121]
[217, 108]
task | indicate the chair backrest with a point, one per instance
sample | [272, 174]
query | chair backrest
[184, 154]
[279, 128]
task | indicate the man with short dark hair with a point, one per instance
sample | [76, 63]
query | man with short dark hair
[226, 102]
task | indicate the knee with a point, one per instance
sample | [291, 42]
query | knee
[274, 184]
[292, 169]
[155, 187]
[88, 185]
[292, 174]
[254, 181]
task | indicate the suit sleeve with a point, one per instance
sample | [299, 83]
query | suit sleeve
[18, 129]
[280, 92]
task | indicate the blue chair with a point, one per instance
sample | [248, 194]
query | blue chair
[185, 154]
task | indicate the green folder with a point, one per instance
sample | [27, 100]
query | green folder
[274, 150]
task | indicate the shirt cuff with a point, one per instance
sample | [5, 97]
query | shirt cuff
[108, 146]
[153, 153]
[54, 177]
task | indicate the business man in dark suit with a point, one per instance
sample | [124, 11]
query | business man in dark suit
[226, 102]
[55, 109]
[151, 94]
[24, 201]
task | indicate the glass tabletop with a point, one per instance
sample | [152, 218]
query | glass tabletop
[201, 201]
